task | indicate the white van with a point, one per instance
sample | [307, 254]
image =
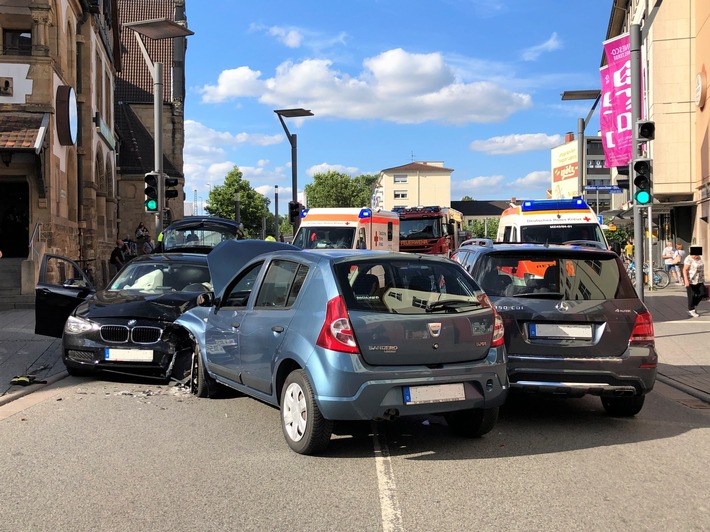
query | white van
[348, 228]
[557, 221]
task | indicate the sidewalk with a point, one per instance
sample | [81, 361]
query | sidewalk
[683, 345]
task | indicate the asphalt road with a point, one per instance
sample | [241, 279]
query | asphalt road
[96, 455]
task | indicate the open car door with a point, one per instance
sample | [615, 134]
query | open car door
[61, 286]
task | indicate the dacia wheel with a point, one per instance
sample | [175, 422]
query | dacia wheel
[304, 427]
[473, 422]
[201, 384]
[623, 406]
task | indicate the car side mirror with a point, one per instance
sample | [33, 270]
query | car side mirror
[206, 299]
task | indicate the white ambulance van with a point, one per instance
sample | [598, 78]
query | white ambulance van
[348, 228]
[555, 221]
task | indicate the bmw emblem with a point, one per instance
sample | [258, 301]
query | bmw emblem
[131, 323]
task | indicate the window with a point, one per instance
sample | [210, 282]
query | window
[400, 194]
[241, 289]
[276, 289]
[401, 178]
[17, 42]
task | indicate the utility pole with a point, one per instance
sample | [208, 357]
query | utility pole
[635, 42]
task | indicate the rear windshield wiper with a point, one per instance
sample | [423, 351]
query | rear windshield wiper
[451, 304]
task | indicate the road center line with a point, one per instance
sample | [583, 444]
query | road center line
[389, 504]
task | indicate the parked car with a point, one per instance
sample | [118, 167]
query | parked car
[573, 322]
[346, 335]
[120, 328]
[197, 234]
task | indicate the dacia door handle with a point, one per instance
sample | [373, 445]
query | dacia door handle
[277, 329]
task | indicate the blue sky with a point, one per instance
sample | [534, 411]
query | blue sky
[473, 83]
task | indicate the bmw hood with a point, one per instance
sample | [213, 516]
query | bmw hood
[122, 304]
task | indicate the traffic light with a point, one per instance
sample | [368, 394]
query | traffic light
[643, 170]
[294, 211]
[151, 192]
[645, 130]
[622, 179]
[170, 192]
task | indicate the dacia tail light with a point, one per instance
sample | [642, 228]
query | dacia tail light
[642, 333]
[336, 333]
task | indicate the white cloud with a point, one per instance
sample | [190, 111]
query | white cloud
[476, 185]
[541, 178]
[534, 52]
[396, 86]
[324, 168]
[516, 143]
[291, 37]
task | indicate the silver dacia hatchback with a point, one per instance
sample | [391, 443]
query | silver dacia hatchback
[573, 323]
[346, 335]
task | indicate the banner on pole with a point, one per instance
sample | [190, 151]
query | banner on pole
[615, 118]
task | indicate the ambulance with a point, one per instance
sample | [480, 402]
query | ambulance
[556, 221]
[348, 228]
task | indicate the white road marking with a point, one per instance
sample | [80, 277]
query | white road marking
[389, 504]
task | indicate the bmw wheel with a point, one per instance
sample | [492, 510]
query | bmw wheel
[623, 406]
[304, 427]
[473, 422]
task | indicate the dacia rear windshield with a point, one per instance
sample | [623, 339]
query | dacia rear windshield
[407, 286]
[570, 276]
[561, 233]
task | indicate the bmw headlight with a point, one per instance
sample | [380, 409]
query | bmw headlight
[76, 325]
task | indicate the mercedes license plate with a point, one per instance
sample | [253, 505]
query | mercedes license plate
[553, 330]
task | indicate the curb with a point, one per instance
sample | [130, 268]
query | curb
[26, 390]
[694, 392]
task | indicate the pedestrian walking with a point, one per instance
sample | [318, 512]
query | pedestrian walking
[117, 257]
[629, 250]
[678, 258]
[667, 256]
[148, 246]
[694, 277]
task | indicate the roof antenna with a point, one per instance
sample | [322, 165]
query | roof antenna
[412, 156]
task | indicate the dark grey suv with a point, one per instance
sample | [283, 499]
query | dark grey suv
[573, 323]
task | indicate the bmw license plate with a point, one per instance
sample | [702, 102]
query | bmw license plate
[128, 355]
[552, 330]
[436, 393]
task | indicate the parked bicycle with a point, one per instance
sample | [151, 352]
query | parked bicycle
[661, 279]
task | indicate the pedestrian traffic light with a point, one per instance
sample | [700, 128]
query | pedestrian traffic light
[645, 130]
[151, 192]
[294, 211]
[643, 170]
[170, 183]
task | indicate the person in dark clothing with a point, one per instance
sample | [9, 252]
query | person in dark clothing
[117, 257]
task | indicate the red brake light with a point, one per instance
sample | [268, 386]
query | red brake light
[642, 333]
[337, 333]
[498, 331]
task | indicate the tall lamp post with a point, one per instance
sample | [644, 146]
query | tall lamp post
[237, 208]
[581, 127]
[276, 212]
[157, 29]
[293, 113]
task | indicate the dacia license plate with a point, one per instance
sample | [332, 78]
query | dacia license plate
[560, 330]
[435, 393]
[128, 355]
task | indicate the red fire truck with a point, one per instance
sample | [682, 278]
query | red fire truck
[432, 230]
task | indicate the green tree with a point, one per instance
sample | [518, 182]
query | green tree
[478, 228]
[467, 198]
[334, 189]
[253, 207]
[285, 227]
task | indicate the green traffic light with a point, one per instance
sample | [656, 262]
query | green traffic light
[151, 205]
[643, 197]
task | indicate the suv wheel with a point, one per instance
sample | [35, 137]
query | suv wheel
[304, 427]
[623, 406]
[473, 422]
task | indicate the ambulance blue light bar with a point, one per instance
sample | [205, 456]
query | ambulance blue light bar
[365, 213]
[554, 205]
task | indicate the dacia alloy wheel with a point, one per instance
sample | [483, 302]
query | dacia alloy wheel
[199, 380]
[304, 427]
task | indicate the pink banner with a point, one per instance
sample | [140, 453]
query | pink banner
[615, 112]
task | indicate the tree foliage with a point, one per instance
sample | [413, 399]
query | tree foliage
[467, 198]
[334, 189]
[253, 206]
[478, 228]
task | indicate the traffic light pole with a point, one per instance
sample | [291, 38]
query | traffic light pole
[635, 42]
[158, 142]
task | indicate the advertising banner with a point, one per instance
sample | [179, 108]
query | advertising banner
[615, 114]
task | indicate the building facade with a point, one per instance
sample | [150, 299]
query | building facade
[414, 184]
[58, 174]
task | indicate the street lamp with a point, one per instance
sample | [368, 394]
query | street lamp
[276, 212]
[157, 29]
[293, 113]
[581, 126]
[237, 214]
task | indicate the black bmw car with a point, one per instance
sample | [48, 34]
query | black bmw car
[119, 329]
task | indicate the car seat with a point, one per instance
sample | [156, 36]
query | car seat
[366, 285]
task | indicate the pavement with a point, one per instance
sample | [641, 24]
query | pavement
[682, 342]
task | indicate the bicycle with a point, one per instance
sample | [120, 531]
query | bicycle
[661, 279]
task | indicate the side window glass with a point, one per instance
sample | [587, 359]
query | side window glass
[239, 293]
[63, 272]
[274, 291]
[297, 285]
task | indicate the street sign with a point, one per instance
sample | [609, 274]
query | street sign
[603, 188]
